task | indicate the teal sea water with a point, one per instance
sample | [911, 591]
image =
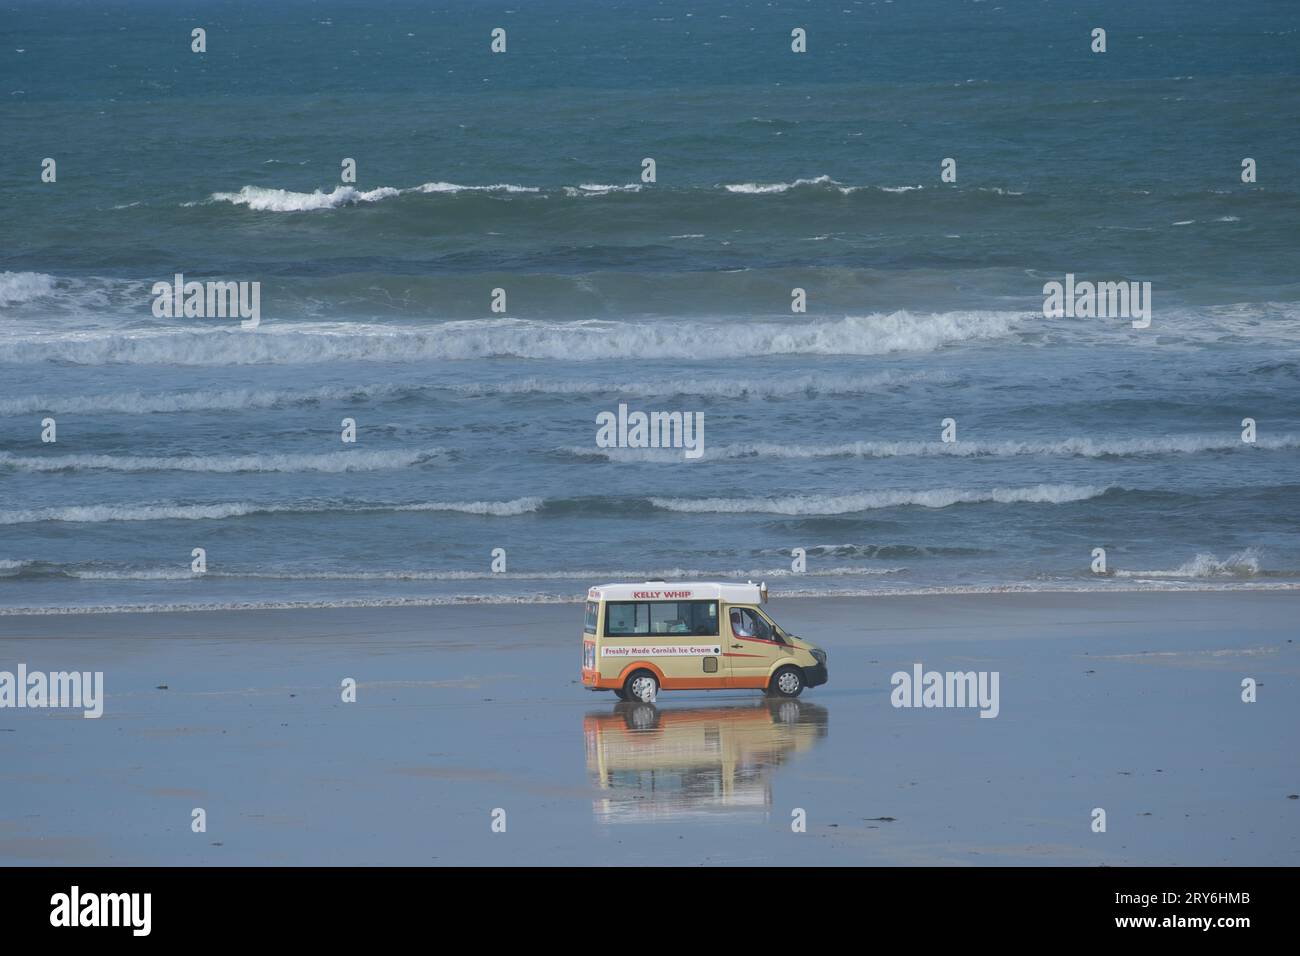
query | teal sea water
[522, 171]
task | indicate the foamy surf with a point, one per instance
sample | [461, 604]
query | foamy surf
[1243, 564]
[767, 189]
[262, 199]
[435, 575]
[600, 189]
[875, 334]
[873, 500]
[331, 462]
[239, 399]
[200, 400]
[16, 287]
[1068, 447]
[577, 597]
[826, 183]
[94, 514]
[266, 199]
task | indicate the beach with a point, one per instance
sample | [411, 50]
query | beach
[341, 354]
[1129, 702]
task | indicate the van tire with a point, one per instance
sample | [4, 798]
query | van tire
[636, 681]
[621, 694]
[787, 682]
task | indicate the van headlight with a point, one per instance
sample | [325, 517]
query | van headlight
[819, 656]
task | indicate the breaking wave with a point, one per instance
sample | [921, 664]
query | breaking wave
[339, 461]
[236, 399]
[263, 199]
[872, 500]
[239, 509]
[269, 199]
[16, 287]
[34, 569]
[1069, 447]
[1243, 564]
[230, 399]
[764, 189]
[875, 334]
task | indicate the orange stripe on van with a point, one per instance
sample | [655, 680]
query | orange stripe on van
[682, 683]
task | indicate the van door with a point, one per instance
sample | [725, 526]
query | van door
[752, 646]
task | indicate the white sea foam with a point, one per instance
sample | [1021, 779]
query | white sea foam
[518, 506]
[141, 403]
[440, 187]
[237, 509]
[339, 461]
[577, 597]
[1243, 564]
[872, 500]
[181, 574]
[757, 387]
[16, 287]
[764, 189]
[767, 189]
[875, 334]
[600, 189]
[264, 199]
[90, 302]
[234, 399]
[147, 574]
[1068, 447]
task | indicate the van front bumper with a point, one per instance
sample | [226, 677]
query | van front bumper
[815, 676]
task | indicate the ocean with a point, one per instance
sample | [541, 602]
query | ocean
[823, 467]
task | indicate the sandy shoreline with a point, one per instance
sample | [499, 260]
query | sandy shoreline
[1110, 587]
[1128, 701]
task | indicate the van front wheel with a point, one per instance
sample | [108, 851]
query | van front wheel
[787, 682]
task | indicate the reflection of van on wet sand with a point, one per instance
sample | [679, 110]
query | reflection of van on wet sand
[639, 639]
[717, 762]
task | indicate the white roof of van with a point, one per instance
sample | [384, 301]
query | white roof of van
[749, 593]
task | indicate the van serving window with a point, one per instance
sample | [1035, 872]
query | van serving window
[661, 618]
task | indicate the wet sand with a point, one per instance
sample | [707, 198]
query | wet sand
[1128, 702]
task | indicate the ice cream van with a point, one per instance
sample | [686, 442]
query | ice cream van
[639, 639]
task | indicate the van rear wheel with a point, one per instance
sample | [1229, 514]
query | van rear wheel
[642, 686]
[787, 682]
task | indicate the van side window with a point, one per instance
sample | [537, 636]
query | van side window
[593, 611]
[661, 618]
[621, 618]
